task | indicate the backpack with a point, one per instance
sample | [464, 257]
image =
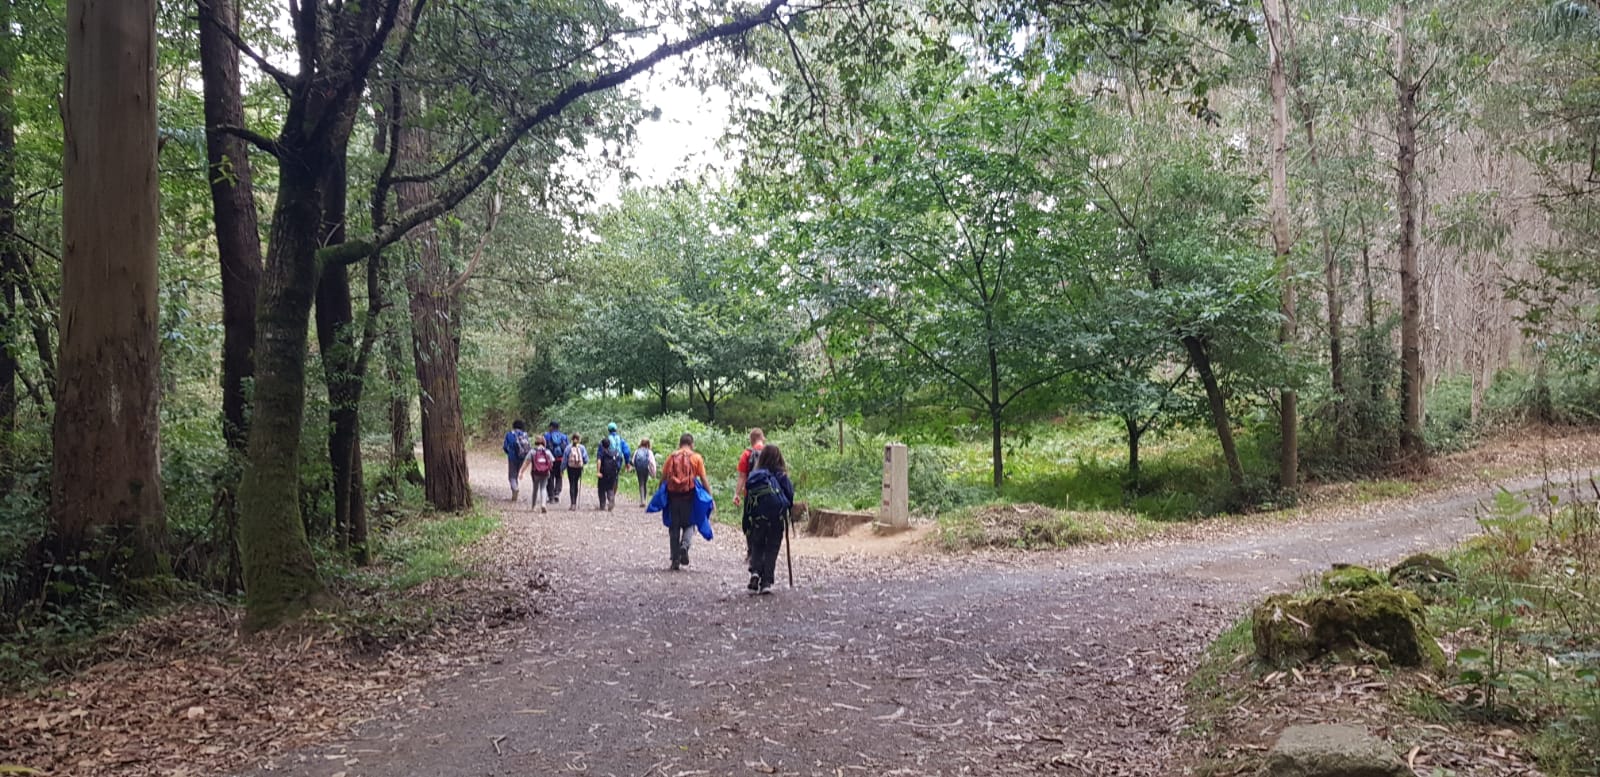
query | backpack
[543, 462]
[524, 445]
[557, 443]
[641, 460]
[679, 472]
[610, 462]
[764, 496]
[574, 458]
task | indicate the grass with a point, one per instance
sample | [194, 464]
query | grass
[1032, 527]
[427, 548]
[1208, 690]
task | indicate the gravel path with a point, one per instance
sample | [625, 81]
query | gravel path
[904, 663]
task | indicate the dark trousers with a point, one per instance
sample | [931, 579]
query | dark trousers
[644, 485]
[608, 492]
[555, 480]
[573, 473]
[766, 540]
[680, 513]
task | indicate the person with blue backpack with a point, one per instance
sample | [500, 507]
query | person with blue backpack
[620, 447]
[517, 447]
[768, 496]
[558, 442]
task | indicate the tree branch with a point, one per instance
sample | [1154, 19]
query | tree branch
[496, 149]
[285, 81]
[250, 136]
[477, 255]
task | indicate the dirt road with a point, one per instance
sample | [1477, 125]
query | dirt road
[908, 663]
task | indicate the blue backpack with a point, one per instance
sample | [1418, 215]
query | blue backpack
[764, 496]
[557, 442]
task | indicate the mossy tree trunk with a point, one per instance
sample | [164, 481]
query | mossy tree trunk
[106, 471]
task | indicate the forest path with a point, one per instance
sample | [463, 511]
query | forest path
[910, 662]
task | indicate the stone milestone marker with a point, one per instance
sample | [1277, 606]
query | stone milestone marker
[894, 510]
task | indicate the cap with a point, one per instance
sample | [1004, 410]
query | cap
[611, 427]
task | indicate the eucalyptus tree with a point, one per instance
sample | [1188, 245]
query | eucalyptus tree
[106, 491]
[336, 46]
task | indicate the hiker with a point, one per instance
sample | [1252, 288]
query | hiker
[621, 447]
[557, 442]
[680, 473]
[541, 465]
[517, 447]
[747, 461]
[768, 497]
[644, 465]
[610, 466]
[577, 459]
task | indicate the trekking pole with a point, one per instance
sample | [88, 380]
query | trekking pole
[788, 546]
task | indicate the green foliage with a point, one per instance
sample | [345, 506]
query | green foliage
[429, 548]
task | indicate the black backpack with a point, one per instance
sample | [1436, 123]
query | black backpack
[610, 462]
[764, 496]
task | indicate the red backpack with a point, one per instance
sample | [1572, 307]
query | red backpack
[543, 462]
[679, 472]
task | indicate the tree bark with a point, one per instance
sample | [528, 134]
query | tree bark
[1282, 242]
[10, 263]
[106, 471]
[280, 576]
[233, 209]
[337, 344]
[433, 340]
[1131, 423]
[1412, 445]
[1200, 357]
[402, 448]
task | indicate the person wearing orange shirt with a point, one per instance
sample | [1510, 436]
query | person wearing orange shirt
[680, 473]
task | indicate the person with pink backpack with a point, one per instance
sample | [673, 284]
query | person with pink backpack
[541, 464]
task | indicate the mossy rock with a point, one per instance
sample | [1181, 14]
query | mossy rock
[1352, 578]
[1297, 628]
[1424, 569]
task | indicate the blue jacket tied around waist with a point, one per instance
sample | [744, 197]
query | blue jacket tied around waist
[703, 507]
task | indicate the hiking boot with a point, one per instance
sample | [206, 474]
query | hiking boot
[766, 590]
[513, 495]
[674, 565]
[755, 583]
[542, 509]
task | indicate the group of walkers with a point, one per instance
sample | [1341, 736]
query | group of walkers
[762, 488]
[555, 456]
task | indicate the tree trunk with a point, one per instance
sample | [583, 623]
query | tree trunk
[10, 263]
[280, 576]
[106, 472]
[1134, 433]
[1411, 376]
[233, 209]
[336, 341]
[433, 343]
[1334, 282]
[402, 448]
[1288, 414]
[1201, 359]
[996, 448]
[665, 396]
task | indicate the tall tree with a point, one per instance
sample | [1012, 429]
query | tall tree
[1282, 240]
[10, 261]
[1408, 83]
[233, 210]
[106, 472]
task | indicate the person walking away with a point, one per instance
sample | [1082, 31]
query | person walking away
[768, 496]
[558, 443]
[644, 465]
[682, 469]
[610, 466]
[541, 465]
[747, 461]
[517, 447]
[577, 459]
[621, 447]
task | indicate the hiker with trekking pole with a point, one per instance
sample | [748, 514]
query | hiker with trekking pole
[768, 496]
